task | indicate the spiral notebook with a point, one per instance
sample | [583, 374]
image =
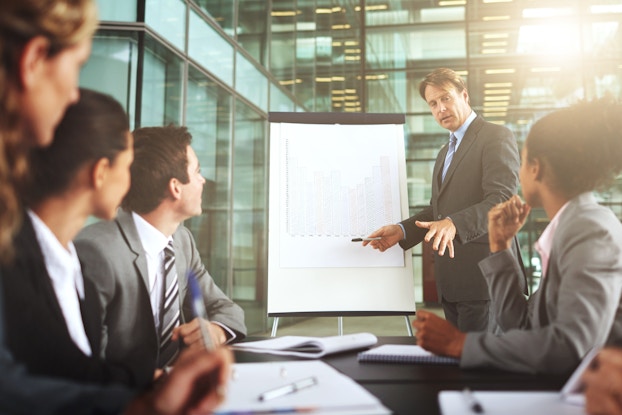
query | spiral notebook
[399, 353]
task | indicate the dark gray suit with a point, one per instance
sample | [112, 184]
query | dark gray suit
[113, 257]
[483, 173]
[577, 306]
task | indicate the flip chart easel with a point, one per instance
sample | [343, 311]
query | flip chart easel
[335, 177]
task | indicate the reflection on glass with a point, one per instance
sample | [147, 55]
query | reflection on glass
[208, 119]
[111, 69]
[208, 48]
[251, 83]
[249, 204]
[117, 10]
[162, 86]
[168, 18]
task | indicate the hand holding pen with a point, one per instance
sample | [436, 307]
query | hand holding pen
[198, 307]
[384, 238]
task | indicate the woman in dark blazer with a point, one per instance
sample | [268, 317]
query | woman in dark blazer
[52, 312]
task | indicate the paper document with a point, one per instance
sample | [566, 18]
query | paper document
[508, 403]
[331, 393]
[569, 401]
[311, 347]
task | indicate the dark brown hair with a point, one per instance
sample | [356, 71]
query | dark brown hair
[93, 128]
[580, 146]
[442, 78]
[160, 154]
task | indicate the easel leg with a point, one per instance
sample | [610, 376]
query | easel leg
[275, 325]
[408, 326]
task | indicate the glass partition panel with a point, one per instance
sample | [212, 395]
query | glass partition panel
[162, 86]
[210, 49]
[111, 68]
[222, 11]
[251, 83]
[394, 48]
[279, 101]
[117, 10]
[397, 12]
[252, 28]
[249, 205]
[249, 249]
[208, 118]
[168, 18]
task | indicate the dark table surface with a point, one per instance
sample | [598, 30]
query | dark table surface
[409, 389]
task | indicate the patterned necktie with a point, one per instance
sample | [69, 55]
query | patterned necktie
[169, 312]
[449, 156]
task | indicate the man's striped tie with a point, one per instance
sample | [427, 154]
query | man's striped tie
[169, 312]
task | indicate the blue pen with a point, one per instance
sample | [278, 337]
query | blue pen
[198, 307]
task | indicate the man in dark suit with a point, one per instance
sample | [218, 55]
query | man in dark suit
[126, 258]
[477, 169]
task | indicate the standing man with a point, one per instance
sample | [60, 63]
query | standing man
[139, 261]
[477, 169]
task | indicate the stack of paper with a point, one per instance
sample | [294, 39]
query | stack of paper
[331, 392]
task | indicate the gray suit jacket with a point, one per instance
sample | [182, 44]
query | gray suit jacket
[483, 172]
[113, 257]
[577, 306]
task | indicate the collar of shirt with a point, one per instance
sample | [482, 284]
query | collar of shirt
[544, 244]
[460, 132]
[63, 267]
[153, 242]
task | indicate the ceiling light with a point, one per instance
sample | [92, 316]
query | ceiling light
[495, 18]
[499, 71]
[497, 91]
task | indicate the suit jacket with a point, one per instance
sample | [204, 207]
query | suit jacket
[483, 172]
[36, 330]
[577, 306]
[114, 259]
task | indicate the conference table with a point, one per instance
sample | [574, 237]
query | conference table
[408, 389]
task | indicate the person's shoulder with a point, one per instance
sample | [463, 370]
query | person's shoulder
[183, 234]
[101, 232]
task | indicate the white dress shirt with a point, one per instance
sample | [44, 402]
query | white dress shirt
[65, 273]
[153, 242]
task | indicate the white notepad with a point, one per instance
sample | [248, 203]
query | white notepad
[332, 393]
[400, 353]
[311, 347]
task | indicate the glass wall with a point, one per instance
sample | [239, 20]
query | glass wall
[219, 66]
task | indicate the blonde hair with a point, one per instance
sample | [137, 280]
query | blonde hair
[64, 23]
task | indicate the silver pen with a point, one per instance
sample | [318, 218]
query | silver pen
[473, 404]
[287, 389]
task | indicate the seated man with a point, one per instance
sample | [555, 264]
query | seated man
[139, 261]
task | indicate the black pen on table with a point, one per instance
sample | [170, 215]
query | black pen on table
[473, 404]
[287, 389]
[366, 239]
[198, 307]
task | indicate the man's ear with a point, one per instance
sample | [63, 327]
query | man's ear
[174, 188]
[32, 61]
[99, 172]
